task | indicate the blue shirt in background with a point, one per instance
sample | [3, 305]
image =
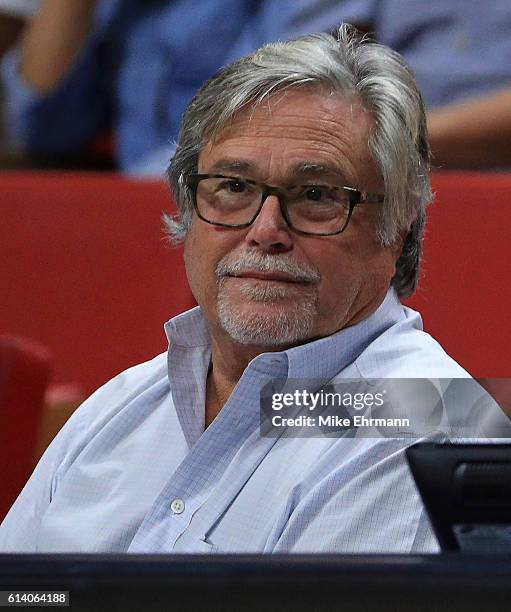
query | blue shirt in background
[146, 60]
[139, 70]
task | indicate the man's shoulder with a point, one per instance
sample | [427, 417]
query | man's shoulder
[144, 373]
[405, 350]
[134, 380]
[139, 380]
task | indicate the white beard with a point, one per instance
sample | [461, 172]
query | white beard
[280, 325]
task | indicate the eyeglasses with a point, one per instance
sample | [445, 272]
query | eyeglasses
[233, 201]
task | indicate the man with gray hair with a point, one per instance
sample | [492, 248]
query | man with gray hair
[301, 176]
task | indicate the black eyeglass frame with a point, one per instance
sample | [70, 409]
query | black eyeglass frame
[355, 197]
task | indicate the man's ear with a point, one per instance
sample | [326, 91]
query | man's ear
[397, 246]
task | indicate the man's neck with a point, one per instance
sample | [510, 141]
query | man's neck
[228, 362]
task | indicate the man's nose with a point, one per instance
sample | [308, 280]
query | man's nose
[270, 230]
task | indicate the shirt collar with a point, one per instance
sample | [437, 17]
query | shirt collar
[322, 358]
[188, 330]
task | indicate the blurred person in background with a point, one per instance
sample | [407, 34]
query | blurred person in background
[460, 52]
[85, 66]
[131, 66]
[13, 15]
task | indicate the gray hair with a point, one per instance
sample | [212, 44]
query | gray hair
[348, 64]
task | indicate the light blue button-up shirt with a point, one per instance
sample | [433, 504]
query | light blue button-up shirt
[134, 471]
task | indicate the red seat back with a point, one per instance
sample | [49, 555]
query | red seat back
[89, 274]
[465, 291]
[88, 271]
[24, 374]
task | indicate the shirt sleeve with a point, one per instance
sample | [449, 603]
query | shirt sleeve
[20, 528]
[62, 121]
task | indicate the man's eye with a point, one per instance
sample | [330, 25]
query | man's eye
[234, 186]
[315, 193]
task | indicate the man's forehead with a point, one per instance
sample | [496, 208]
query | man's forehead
[297, 106]
[323, 134]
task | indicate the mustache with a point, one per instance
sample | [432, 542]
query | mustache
[265, 262]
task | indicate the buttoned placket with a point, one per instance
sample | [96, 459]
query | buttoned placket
[206, 468]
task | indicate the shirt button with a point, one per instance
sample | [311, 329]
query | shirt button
[177, 506]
